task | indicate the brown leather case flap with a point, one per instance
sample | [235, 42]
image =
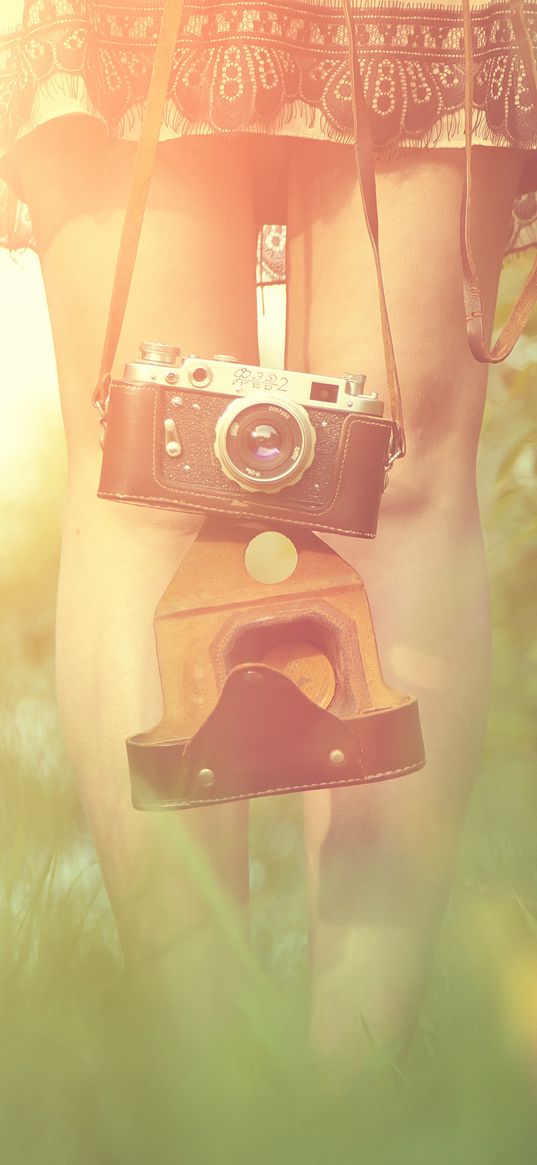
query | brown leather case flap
[266, 737]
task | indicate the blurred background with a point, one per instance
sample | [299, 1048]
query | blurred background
[87, 1076]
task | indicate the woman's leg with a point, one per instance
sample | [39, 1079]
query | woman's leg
[194, 285]
[379, 858]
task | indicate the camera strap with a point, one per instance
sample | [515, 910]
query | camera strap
[136, 202]
[363, 149]
[363, 153]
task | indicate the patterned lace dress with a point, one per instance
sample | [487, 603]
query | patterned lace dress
[270, 66]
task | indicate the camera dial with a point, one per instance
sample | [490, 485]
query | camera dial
[157, 352]
[264, 445]
[354, 383]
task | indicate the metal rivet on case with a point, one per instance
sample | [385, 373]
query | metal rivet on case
[206, 776]
[337, 756]
[177, 400]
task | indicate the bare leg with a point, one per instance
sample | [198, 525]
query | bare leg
[195, 285]
[379, 858]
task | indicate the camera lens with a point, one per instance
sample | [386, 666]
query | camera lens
[263, 445]
[264, 441]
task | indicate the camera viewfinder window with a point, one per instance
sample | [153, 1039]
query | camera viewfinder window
[327, 392]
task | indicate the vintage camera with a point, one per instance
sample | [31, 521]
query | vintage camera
[217, 436]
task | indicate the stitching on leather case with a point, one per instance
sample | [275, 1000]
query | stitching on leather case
[371, 423]
[294, 788]
[154, 449]
[325, 529]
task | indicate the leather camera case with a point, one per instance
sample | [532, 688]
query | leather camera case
[353, 451]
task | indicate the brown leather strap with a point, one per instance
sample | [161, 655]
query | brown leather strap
[473, 299]
[363, 150]
[141, 177]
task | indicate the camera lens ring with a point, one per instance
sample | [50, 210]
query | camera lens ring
[264, 445]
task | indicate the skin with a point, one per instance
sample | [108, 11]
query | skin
[378, 859]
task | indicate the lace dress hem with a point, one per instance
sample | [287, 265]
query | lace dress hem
[277, 68]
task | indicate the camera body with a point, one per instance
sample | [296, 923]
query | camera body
[256, 444]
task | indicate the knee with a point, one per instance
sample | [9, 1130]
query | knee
[432, 484]
[442, 410]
